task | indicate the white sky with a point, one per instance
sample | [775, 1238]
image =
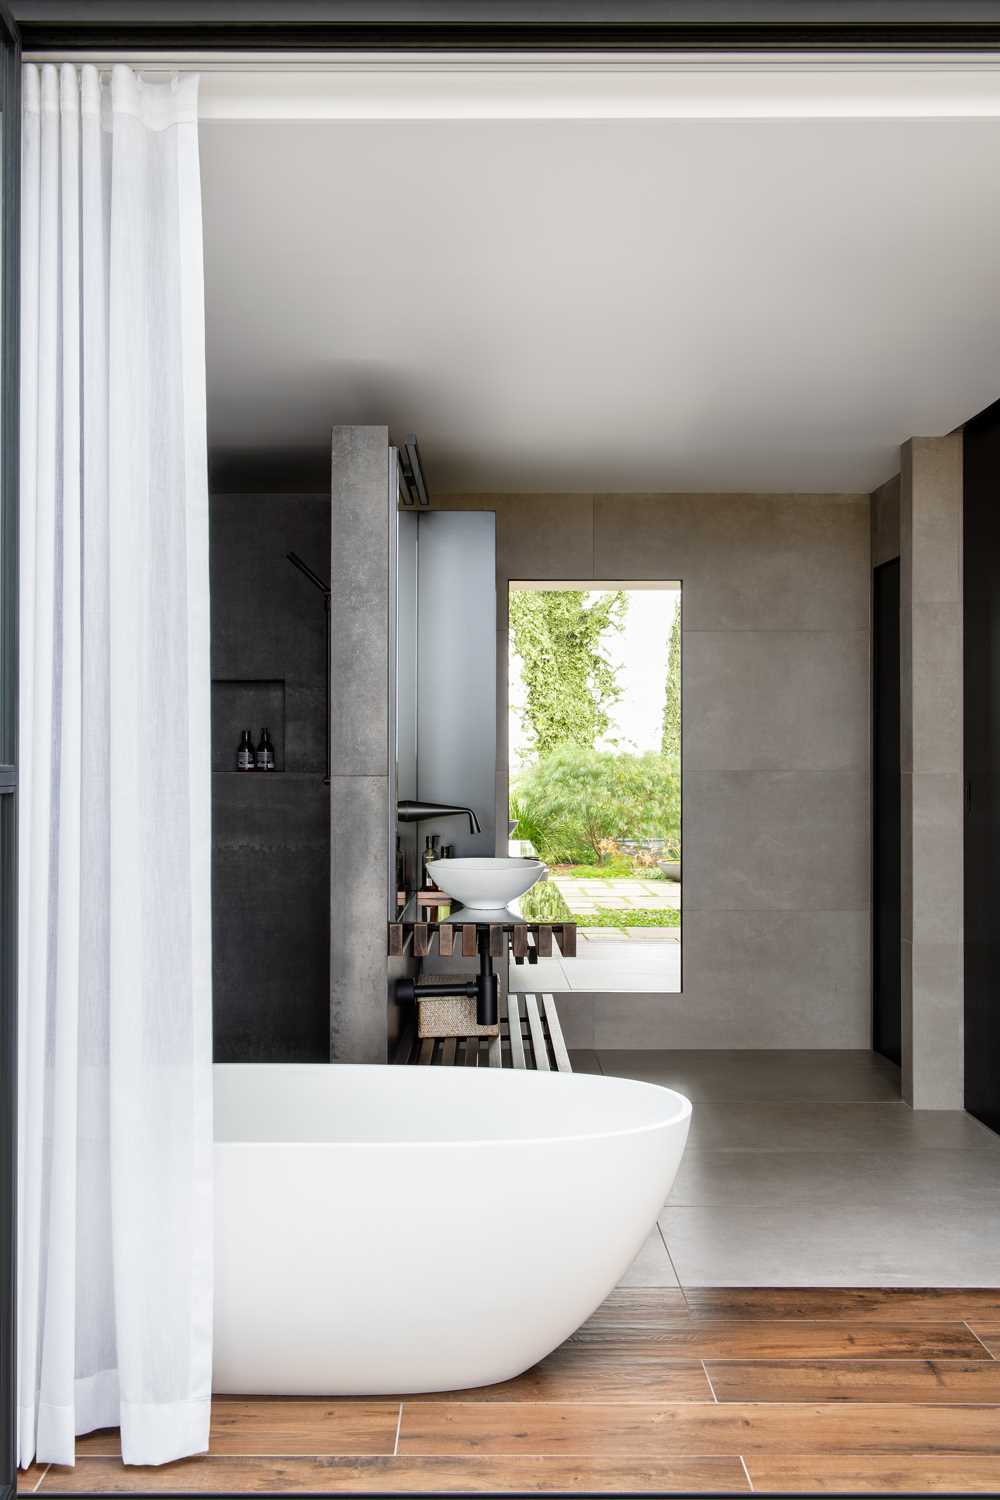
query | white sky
[639, 654]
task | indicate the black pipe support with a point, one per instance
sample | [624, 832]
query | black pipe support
[484, 989]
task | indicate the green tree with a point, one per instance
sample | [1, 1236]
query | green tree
[569, 685]
[671, 741]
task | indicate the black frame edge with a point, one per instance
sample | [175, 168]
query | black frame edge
[11, 158]
[515, 36]
[285, 35]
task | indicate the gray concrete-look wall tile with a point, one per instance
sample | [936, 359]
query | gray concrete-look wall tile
[547, 537]
[936, 523]
[359, 605]
[758, 840]
[936, 878]
[937, 1043]
[803, 974]
[833, 1012]
[748, 562]
[359, 811]
[936, 694]
[885, 521]
[931, 747]
[776, 700]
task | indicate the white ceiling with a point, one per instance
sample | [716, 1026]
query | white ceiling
[657, 304]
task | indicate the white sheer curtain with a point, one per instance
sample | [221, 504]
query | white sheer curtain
[115, 1254]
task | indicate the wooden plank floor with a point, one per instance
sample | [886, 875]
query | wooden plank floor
[717, 1392]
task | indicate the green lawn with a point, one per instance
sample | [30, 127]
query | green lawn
[639, 917]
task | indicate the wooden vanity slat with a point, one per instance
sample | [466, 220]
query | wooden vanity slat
[448, 1050]
[498, 941]
[421, 940]
[471, 1052]
[446, 939]
[519, 941]
[395, 939]
[470, 946]
[567, 940]
[559, 1050]
[543, 937]
[538, 1046]
[516, 1040]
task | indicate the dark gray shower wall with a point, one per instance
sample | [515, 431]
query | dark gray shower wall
[270, 831]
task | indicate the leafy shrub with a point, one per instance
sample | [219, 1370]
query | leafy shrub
[544, 903]
[575, 799]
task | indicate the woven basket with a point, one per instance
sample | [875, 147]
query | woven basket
[449, 1015]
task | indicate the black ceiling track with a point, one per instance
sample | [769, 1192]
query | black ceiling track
[513, 37]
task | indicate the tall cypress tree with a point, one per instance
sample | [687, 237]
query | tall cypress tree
[670, 744]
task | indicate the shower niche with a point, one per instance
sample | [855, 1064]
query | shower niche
[246, 703]
[270, 829]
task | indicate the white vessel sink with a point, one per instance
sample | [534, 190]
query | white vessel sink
[486, 884]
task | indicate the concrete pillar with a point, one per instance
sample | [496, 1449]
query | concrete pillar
[359, 744]
[930, 524]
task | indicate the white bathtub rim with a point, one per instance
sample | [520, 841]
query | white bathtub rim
[681, 1113]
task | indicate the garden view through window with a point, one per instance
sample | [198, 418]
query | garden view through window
[594, 762]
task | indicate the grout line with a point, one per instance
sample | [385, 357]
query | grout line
[975, 1335]
[399, 1423]
[711, 1387]
[670, 1258]
[41, 1479]
[746, 1471]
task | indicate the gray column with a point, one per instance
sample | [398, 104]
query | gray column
[359, 743]
[930, 525]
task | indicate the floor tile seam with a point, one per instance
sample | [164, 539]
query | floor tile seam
[41, 1479]
[399, 1424]
[746, 1471]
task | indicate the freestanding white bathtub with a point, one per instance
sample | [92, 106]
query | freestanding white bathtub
[392, 1229]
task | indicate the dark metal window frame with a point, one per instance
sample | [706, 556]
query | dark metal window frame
[778, 26]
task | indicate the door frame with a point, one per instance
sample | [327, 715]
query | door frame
[558, 26]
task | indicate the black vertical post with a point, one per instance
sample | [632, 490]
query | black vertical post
[887, 817]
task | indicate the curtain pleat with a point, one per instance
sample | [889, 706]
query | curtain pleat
[115, 1212]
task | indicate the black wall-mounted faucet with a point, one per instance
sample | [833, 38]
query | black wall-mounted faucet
[417, 812]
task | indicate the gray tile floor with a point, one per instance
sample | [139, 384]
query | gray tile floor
[807, 1169]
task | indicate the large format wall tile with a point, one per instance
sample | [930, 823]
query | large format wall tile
[546, 537]
[790, 976]
[359, 604]
[776, 700]
[359, 812]
[794, 840]
[754, 979]
[747, 562]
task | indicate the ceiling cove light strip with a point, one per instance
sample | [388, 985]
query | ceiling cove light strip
[689, 89]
